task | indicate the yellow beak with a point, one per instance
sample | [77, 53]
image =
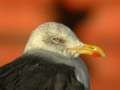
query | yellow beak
[89, 49]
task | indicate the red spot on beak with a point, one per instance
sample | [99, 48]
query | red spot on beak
[96, 54]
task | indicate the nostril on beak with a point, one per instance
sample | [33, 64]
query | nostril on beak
[91, 47]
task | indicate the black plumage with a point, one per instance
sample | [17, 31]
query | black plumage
[50, 61]
[30, 72]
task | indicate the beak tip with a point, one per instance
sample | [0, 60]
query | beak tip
[99, 54]
[104, 55]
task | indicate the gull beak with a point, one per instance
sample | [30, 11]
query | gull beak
[89, 49]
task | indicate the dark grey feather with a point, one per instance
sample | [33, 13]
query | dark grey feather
[35, 73]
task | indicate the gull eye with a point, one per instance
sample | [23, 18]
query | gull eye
[56, 39]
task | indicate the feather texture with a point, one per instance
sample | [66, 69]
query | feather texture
[35, 73]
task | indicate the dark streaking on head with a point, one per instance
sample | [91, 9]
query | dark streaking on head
[45, 36]
[50, 62]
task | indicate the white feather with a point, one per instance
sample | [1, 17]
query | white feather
[41, 41]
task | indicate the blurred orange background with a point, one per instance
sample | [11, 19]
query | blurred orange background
[94, 21]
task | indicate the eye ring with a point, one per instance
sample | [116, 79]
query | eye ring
[56, 39]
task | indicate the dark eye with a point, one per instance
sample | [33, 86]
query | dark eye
[56, 39]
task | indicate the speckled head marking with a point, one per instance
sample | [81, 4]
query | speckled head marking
[53, 37]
